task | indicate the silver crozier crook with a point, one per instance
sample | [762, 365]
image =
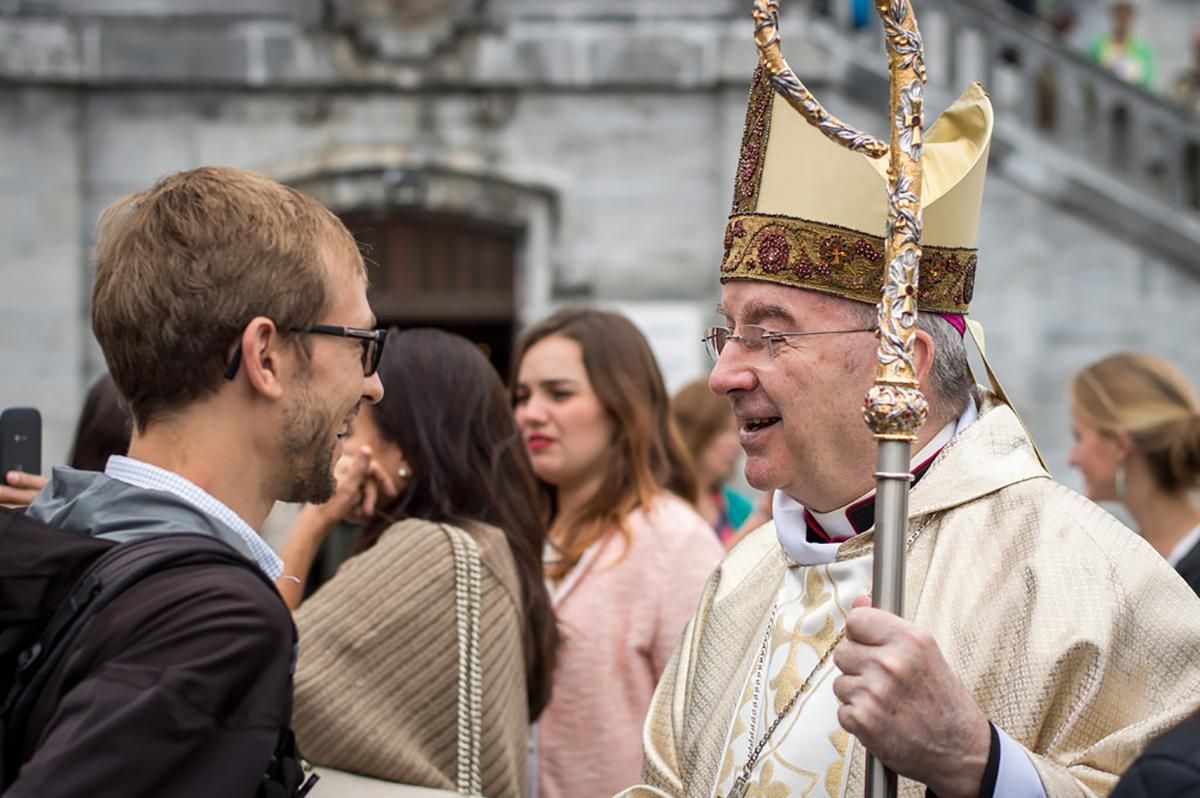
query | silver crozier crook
[895, 407]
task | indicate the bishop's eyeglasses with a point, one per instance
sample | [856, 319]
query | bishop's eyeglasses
[371, 342]
[752, 337]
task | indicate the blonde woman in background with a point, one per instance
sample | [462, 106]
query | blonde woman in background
[629, 555]
[1136, 423]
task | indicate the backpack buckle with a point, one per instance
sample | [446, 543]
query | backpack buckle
[29, 656]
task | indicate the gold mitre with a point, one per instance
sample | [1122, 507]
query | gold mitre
[810, 213]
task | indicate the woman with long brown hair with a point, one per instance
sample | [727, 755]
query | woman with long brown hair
[378, 682]
[628, 556]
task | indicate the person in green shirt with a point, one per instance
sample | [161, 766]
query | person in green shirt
[1120, 52]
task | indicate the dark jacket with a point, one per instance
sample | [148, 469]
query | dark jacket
[1189, 568]
[179, 687]
[1168, 768]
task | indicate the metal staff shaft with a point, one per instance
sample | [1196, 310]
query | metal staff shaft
[891, 524]
[895, 407]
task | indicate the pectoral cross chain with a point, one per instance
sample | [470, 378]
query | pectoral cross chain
[742, 783]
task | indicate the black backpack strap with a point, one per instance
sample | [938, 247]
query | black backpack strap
[285, 772]
[39, 566]
[39, 659]
[109, 576]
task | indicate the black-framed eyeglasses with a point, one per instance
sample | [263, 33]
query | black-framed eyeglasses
[752, 337]
[370, 340]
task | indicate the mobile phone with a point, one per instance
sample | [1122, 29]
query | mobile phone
[20, 440]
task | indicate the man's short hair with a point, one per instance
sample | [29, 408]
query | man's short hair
[948, 386]
[950, 377]
[182, 268]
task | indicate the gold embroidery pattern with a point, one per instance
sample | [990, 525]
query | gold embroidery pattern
[766, 786]
[788, 682]
[817, 591]
[754, 145]
[840, 261]
[803, 630]
[840, 740]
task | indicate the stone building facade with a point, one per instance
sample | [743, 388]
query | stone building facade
[499, 157]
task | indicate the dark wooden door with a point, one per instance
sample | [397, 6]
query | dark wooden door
[450, 272]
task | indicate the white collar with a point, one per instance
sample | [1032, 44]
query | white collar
[1184, 546]
[790, 523]
[143, 475]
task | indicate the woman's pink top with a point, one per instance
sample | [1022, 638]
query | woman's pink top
[620, 613]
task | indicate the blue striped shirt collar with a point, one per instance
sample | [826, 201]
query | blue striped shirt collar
[150, 477]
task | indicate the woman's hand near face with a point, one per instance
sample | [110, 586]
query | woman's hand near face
[362, 486]
[377, 489]
[352, 474]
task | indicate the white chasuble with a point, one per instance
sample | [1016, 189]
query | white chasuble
[808, 754]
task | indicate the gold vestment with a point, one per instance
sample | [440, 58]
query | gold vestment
[1071, 633]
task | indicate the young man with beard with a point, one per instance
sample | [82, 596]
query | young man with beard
[233, 315]
[1042, 643]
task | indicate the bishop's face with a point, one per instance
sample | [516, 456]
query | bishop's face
[799, 412]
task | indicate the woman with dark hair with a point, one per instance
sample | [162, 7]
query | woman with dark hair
[103, 427]
[377, 686]
[629, 554]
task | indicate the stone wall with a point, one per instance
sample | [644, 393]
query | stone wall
[42, 275]
[610, 134]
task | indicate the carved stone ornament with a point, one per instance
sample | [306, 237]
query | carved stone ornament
[406, 30]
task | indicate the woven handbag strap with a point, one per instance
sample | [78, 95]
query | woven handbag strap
[467, 602]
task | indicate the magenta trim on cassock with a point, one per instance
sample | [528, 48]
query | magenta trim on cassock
[956, 321]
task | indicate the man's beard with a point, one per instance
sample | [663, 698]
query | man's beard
[307, 453]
